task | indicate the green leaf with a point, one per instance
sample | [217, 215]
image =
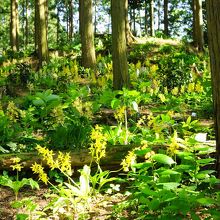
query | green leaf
[22, 216]
[164, 159]
[115, 103]
[169, 186]
[33, 184]
[207, 201]
[38, 102]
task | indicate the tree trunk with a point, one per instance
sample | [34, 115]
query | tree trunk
[14, 27]
[166, 21]
[26, 25]
[129, 36]
[70, 20]
[146, 18]
[213, 19]
[152, 31]
[41, 31]
[119, 56]
[198, 25]
[87, 34]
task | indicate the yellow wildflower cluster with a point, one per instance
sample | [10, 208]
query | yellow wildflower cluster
[120, 114]
[98, 145]
[17, 166]
[12, 111]
[58, 115]
[38, 169]
[162, 97]
[84, 108]
[175, 144]
[141, 121]
[175, 91]
[129, 160]
[62, 162]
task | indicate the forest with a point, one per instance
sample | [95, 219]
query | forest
[109, 109]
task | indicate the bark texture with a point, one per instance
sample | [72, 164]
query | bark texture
[87, 33]
[41, 30]
[213, 19]
[152, 30]
[14, 26]
[119, 49]
[166, 21]
[198, 25]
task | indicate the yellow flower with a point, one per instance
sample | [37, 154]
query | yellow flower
[17, 167]
[175, 91]
[98, 145]
[16, 159]
[162, 97]
[191, 87]
[129, 160]
[182, 89]
[198, 88]
[38, 169]
[165, 90]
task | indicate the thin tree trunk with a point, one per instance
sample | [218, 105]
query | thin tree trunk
[198, 32]
[146, 18]
[26, 24]
[152, 31]
[70, 20]
[129, 36]
[213, 19]
[166, 22]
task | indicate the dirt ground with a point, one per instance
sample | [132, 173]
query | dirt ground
[101, 206]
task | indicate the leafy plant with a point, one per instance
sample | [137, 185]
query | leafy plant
[17, 184]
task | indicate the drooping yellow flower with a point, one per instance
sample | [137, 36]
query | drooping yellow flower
[175, 91]
[17, 167]
[162, 97]
[191, 87]
[38, 169]
[129, 160]
[16, 159]
[98, 145]
[198, 88]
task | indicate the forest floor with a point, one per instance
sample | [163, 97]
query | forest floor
[101, 206]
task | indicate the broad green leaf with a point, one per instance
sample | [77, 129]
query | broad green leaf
[38, 102]
[169, 186]
[164, 159]
[115, 103]
[206, 201]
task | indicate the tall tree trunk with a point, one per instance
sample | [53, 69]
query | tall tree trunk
[198, 25]
[129, 36]
[152, 31]
[70, 20]
[87, 34]
[14, 26]
[166, 21]
[26, 24]
[58, 24]
[213, 19]
[41, 31]
[158, 14]
[145, 18]
[119, 56]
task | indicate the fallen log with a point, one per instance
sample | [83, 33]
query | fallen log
[114, 156]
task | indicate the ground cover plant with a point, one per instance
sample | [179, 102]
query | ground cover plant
[165, 117]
